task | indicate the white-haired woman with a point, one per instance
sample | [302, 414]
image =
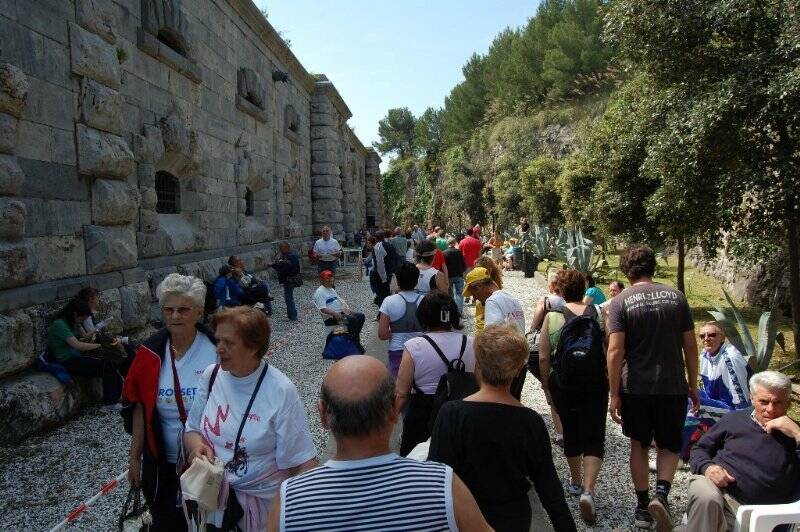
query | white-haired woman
[159, 392]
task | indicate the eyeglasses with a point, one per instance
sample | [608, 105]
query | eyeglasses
[703, 336]
[180, 311]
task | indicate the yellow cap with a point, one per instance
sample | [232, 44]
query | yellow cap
[477, 274]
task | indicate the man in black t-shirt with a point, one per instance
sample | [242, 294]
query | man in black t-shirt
[651, 336]
[456, 266]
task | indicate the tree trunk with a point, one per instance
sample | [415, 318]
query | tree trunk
[794, 278]
[681, 264]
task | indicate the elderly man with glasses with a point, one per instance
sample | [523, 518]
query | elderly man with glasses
[750, 456]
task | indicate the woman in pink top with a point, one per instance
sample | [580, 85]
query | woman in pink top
[421, 366]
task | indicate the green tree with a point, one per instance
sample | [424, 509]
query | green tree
[396, 133]
[731, 66]
[541, 200]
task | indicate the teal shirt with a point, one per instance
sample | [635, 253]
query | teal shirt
[57, 335]
[596, 294]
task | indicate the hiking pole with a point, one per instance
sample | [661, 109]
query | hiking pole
[105, 489]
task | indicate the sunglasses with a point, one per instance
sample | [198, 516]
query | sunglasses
[703, 336]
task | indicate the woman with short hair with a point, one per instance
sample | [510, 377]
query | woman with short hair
[583, 412]
[250, 416]
[158, 395]
[593, 295]
[496, 445]
[421, 367]
[497, 276]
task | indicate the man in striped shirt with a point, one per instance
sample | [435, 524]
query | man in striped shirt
[366, 486]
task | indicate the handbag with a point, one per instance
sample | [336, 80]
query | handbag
[135, 516]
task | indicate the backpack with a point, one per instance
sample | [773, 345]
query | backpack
[457, 383]
[392, 260]
[533, 338]
[580, 361]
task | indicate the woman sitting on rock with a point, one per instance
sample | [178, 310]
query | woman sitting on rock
[75, 355]
[250, 416]
[159, 391]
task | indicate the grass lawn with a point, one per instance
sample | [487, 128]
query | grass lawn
[700, 290]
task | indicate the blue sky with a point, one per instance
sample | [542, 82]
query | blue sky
[385, 54]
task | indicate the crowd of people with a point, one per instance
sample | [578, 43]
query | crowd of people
[200, 390]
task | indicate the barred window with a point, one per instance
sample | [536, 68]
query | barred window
[370, 220]
[248, 202]
[168, 192]
[170, 39]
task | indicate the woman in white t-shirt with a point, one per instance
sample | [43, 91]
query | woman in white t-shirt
[250, 415]
[430, 278]
[421, 366]
[397, 321]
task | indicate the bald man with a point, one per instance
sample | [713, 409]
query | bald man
[366, 486]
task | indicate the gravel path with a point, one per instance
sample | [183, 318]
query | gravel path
[45, 477]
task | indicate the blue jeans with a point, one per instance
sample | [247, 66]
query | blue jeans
[288, 296]
[457, 285]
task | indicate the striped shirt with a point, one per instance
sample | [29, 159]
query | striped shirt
[379, 493]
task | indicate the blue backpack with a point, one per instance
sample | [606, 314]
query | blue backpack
[580, 360]
[339, 346]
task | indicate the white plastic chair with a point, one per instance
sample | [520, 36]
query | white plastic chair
[765, 517]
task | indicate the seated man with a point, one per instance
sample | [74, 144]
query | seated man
[366, 486]
[254, 290]
[748, 457]
[335, 310]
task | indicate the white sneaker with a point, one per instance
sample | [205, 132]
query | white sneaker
[586, 505]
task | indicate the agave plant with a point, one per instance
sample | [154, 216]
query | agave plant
[735, 329]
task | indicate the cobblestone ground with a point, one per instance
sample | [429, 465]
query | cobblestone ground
[45, 477]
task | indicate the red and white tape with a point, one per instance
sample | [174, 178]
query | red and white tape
[105, 489]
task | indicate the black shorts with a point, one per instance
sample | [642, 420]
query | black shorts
[645, 417]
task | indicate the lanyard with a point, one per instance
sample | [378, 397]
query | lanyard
[238, 462]
[177, 386]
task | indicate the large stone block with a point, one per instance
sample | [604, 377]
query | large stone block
[8, 133]
[110, 307]
[12, 219]
[33, 402]
[93, 58]
[324, 156]
[328, 205]
[109, 248]
[324, 144]
[11, 176]
[323, 132]
[101, 154]
[322, 119]
[101, 107]
[71, 257]
[13, 90]
[327, 217]
[135, 300]
[149, 146]
[321, 106]
[97, 17]
[17, 264]
[324, 193]
[325, 168]
[113, 202]
[148, 221]
[16, 343]
[325, 181]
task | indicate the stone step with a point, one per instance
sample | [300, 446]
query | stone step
[33, 402]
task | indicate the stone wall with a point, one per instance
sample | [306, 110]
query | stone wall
[141, 137]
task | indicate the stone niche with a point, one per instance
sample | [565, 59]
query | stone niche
[292, 124]
[251, 94]
[165, 35]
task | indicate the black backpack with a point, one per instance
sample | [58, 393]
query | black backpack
[580, 360]
[392, 260]
[456, 384]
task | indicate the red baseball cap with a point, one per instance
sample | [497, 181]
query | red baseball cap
[326, 274]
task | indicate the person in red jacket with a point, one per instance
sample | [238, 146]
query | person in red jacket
[471, 248]
[158, 394]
